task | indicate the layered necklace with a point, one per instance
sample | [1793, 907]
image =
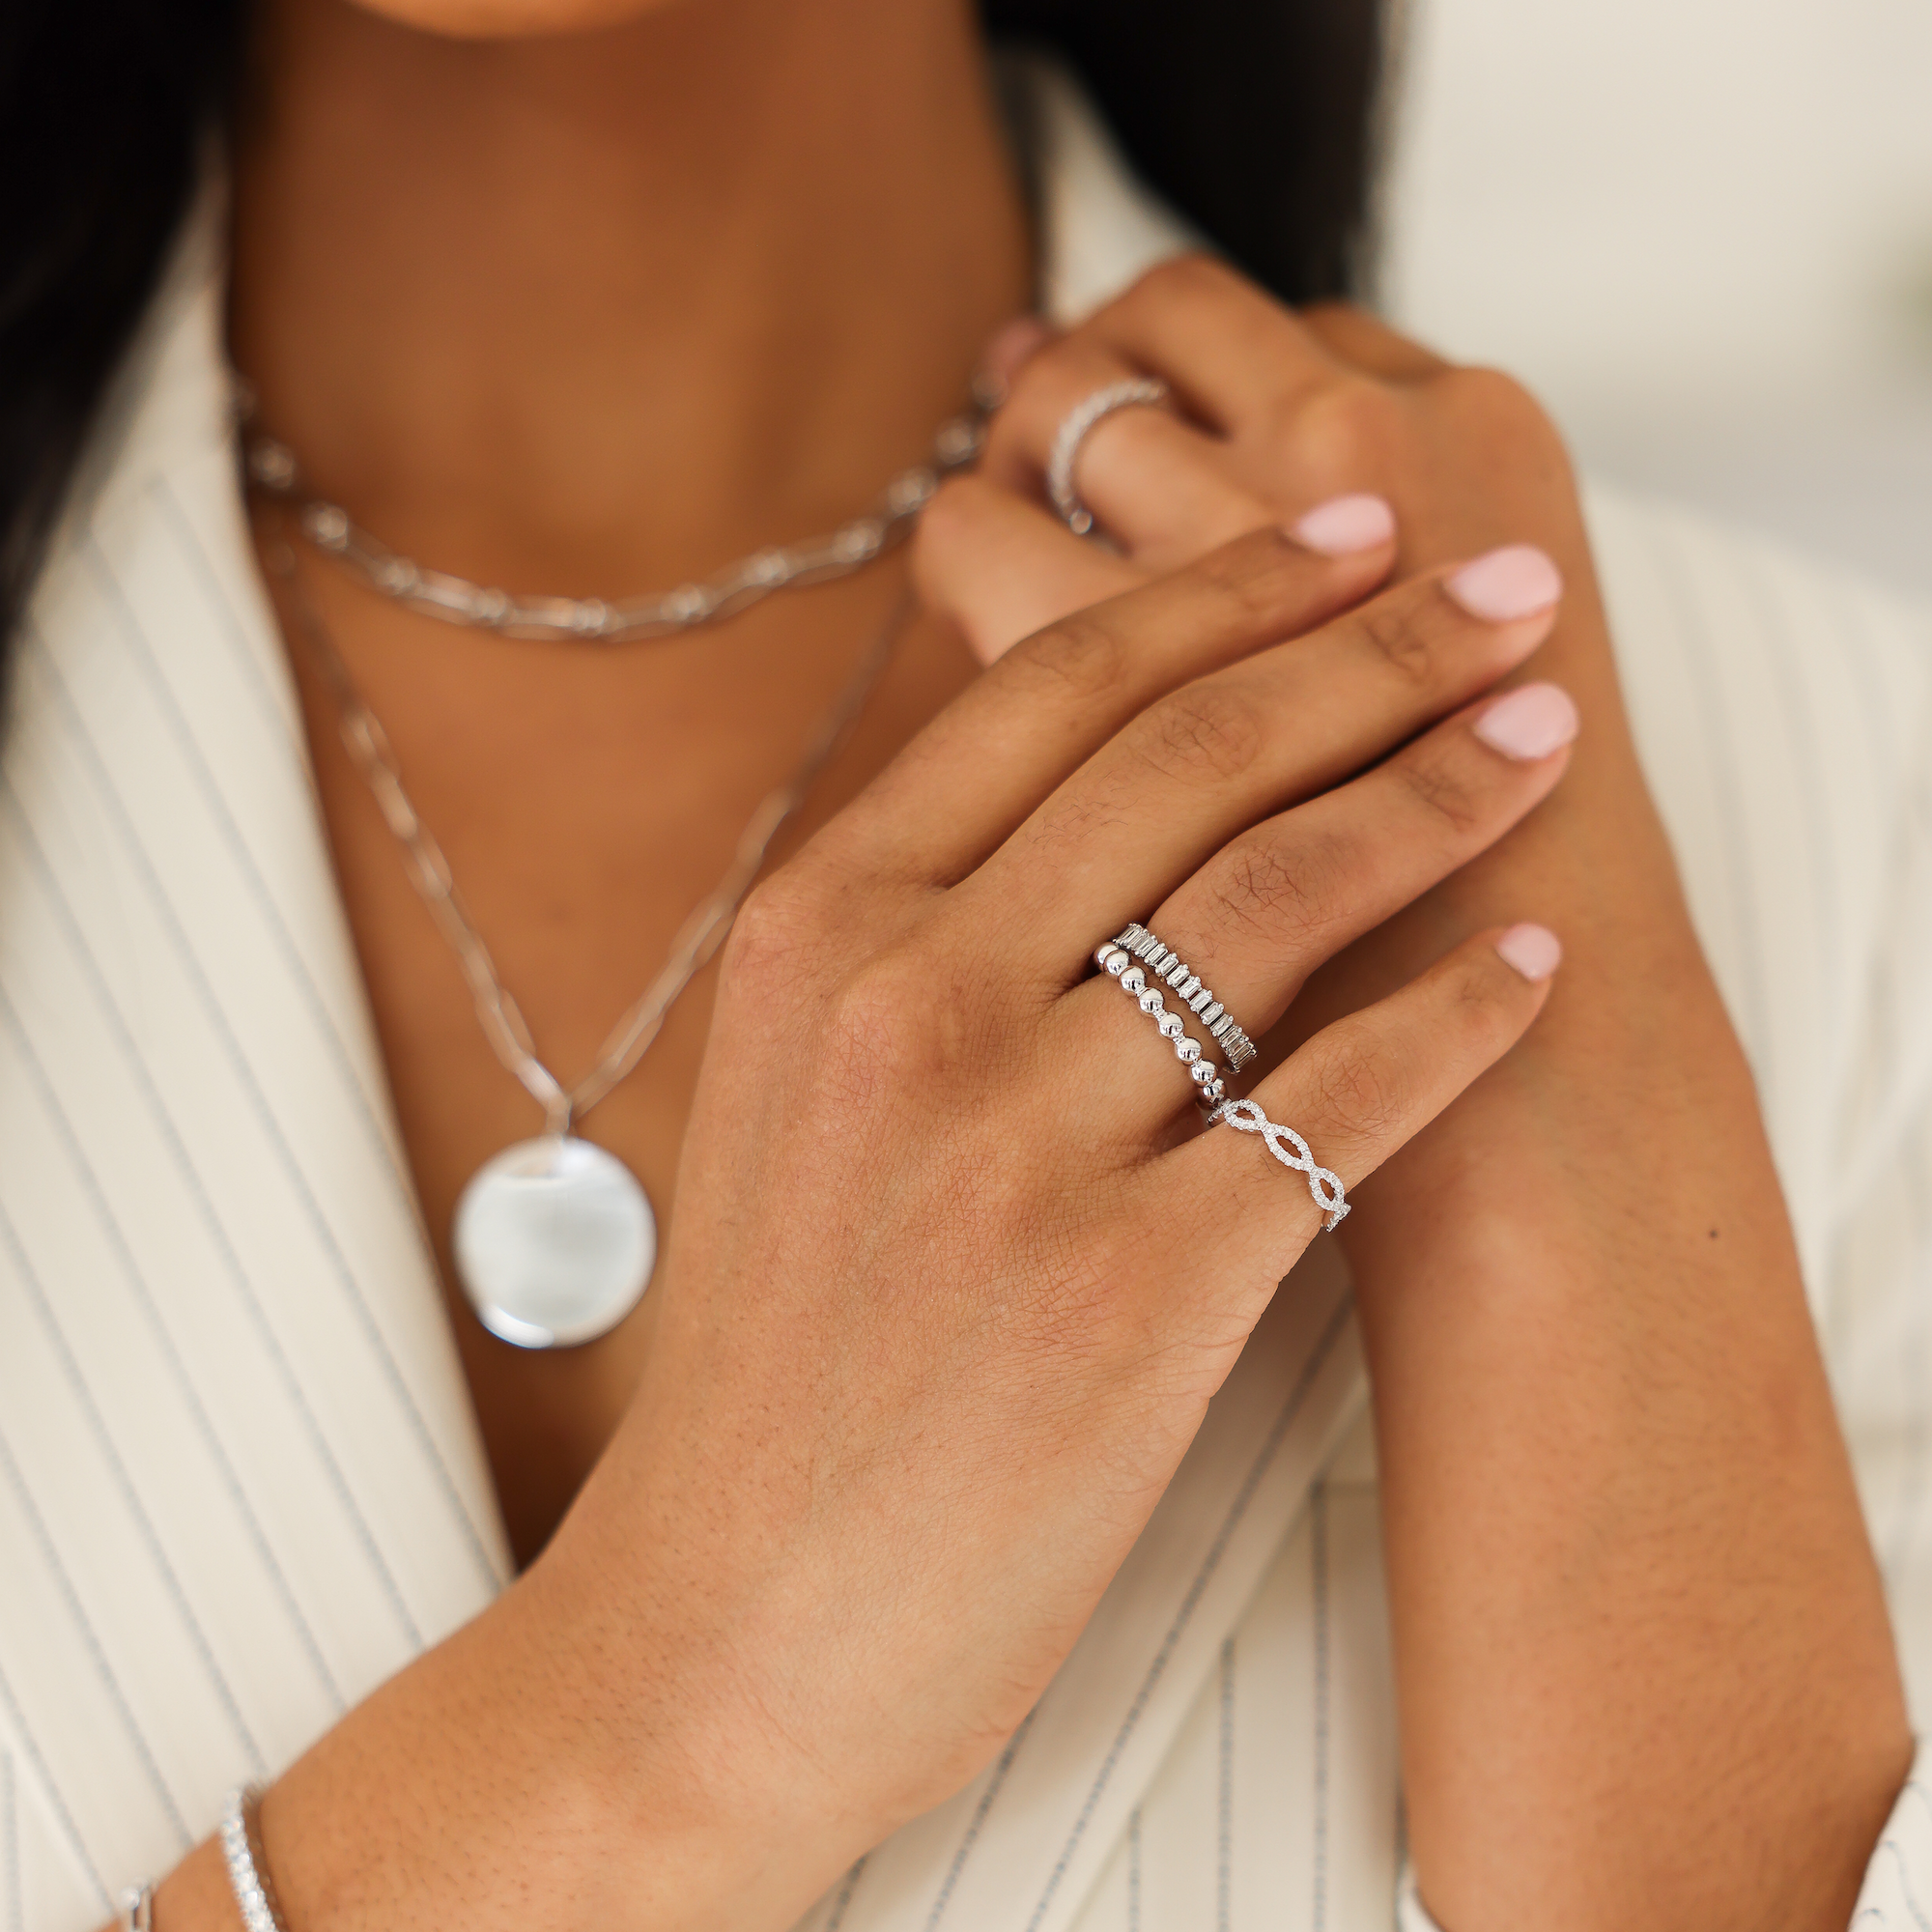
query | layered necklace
[555, 1239]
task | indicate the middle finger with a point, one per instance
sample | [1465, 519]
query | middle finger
[1285, 896]
[1212, 759]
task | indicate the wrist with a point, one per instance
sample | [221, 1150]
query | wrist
[667, 1764]
[542, 1770]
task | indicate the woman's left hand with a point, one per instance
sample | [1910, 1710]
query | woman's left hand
[1645, 1670]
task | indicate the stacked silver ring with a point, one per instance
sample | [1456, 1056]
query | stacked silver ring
[1116, 960]
[1075, 427]
[1129, 959]
[1163, 963]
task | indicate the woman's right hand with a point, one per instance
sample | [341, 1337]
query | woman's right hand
[953, 1276]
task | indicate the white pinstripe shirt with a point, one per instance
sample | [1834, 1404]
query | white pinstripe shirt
[240, 1481]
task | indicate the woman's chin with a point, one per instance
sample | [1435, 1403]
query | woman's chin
[512, 19]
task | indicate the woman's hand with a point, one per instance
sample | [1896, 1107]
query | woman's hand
[954, 1275]
[1645, 1671]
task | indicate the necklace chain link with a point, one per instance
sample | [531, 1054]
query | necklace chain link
[697, 940]
[273, 471]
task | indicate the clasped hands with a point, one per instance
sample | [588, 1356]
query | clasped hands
[954, 1272]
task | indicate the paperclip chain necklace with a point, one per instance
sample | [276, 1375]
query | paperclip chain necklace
[273, 470]
[555, 1239]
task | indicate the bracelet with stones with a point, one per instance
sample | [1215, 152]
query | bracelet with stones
[1115, 960]
[1162, 963]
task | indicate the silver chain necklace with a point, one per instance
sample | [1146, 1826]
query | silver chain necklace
[555, 1239]
[273, 470]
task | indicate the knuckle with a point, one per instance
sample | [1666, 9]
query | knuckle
[1253, 580]
[1350, 427]
[776, 929]
[954, 517]
[1364, 1088]
[901, 1021]
[1500, 408]
[1418, 632]
[1475, 390]
[1081, 656]
[949, 541]
[1441, 793]
[1488, 994]
[1394, 630]
[1047, 385]
[1285, 900]
[1206, 733]
[1034, 388]
[1183, 277]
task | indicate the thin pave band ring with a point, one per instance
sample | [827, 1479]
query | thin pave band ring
[1324, 1183]
[1118, 963]
[1162, 962]
[1075, 427]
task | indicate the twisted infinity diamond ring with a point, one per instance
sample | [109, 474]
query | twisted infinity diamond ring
[1324, 1183]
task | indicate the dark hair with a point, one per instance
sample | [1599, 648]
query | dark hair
[1252, 117]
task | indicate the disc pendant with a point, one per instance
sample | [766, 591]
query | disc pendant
[554, 1240]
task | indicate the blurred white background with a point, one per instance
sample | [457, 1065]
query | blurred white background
[1702, 230]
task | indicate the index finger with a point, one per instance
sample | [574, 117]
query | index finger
[963, 785]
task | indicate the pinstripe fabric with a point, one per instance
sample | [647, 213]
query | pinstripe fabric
[238, 1479]
[239, 1482]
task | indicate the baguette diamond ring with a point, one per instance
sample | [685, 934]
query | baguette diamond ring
[1162, 962]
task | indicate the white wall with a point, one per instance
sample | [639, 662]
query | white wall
[1702, 229]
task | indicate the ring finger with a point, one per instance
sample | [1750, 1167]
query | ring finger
[1250, 926]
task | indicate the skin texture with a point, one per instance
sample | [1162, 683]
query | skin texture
[910, 1402]
[1638, 1628]
[897, 1403]
[599, 313]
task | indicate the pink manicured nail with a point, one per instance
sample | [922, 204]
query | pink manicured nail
[1346, 524]
[1516, 581]
[1533, 951]
[1529, 721]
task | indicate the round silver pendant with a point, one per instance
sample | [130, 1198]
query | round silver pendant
[554, 1240]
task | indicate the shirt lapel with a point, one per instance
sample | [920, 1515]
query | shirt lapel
[236, 1453]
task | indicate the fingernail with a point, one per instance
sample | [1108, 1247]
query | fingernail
[1529, 721]
[1346, 524]
[1005, 354]
[1515, 582]
[1533, 951]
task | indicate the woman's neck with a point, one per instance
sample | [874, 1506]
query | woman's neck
[589, 313]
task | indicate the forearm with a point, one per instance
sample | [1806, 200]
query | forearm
[504, 1779]
[1645, 1667]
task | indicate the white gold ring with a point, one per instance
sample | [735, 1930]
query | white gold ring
[1164, 963]
[1075, 427]
[1118, 963]
[1291, 1150]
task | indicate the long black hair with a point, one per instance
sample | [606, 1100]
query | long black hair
[1252, 117]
